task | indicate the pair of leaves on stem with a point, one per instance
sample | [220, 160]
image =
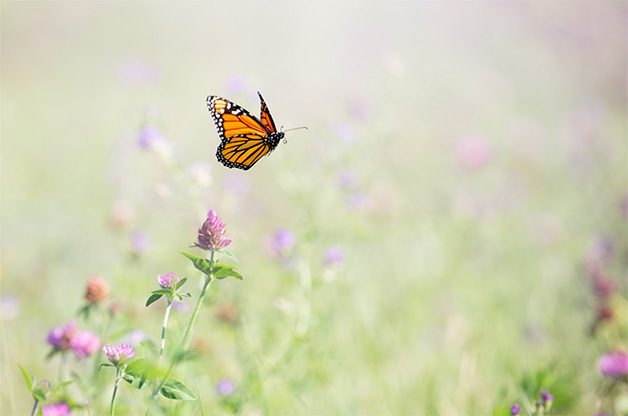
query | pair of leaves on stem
[212, 268]
[139, 371]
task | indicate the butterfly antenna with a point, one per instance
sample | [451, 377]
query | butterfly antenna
[295, 128]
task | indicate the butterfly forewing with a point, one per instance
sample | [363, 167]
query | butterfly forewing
[265, 117]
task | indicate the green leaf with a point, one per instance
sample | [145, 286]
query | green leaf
[222, 271]
[153, 298]
[105, 365]
[201, 264]
[84, 311]
[175, 390]
[28, 379]
[184, 355]
[129, 378]
[52, 352]
[162, 292]
[181, 283]
[62, 386]
[143, 369]
[39, 394]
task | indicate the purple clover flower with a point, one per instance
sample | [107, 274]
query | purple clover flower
[347, 179]
[225, 387]
[182, 306]
[84, 344]
[334, 256]
[134, 337]
[546, 396]
[60, 338]
[515, 409]
[118, 353]
[211, 235]
[346, 132]
[57, 409]
[282, 242]
[9, 307]
[140, 243]
[149, 136]
[168, 280]
[614, 364]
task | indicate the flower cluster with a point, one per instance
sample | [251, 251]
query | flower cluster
[542, 407]
[60, 338]
[211, 235]
[117, 354]
[69, 337]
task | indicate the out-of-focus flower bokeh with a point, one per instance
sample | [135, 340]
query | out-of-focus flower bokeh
[451, 229]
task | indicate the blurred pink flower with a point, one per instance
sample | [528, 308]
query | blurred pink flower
[140, 243]
[56, 409]
[182, 306]
[122, 213]
[347, 179]
[603, 286]
[211, 235]
[334, 256]
[357, 201]
[134, 337]
[149, 137]
[282, 242]
[9, 307]
[473, 152]
[96, 290]
[614, 364]
[225, 387]
[84, 344]
[60, 338]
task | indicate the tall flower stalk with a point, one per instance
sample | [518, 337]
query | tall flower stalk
[118, 356]
[211, 237]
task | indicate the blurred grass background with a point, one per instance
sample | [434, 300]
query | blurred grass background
[486, 146]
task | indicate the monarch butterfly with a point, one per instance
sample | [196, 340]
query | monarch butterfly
[244, 138]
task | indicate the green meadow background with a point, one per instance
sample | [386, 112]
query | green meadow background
[466, 157]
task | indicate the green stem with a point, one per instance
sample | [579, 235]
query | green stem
[188, 330]
[163, 330]
[35, 406]
[62, 362]
[305, 284]
[105, 320]
[119, 376]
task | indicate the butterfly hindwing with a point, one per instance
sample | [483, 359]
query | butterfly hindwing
[242, 152]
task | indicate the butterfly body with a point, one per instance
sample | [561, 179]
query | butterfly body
[244, 138]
